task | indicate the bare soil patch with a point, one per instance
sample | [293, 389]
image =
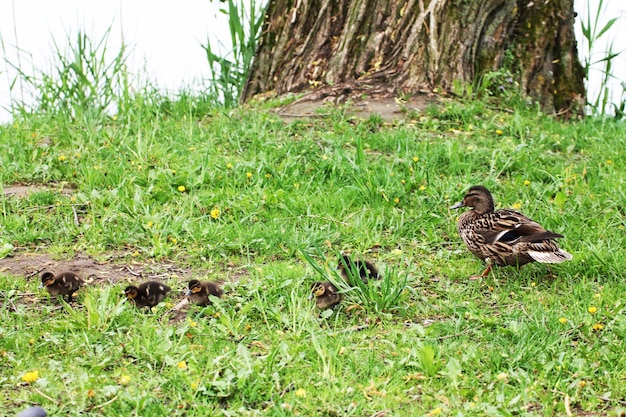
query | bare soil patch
[30, 265]
[18, 190]
[388, 108]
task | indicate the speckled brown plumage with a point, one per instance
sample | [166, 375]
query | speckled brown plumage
[326, 294]
[66, 283]
[199, 292]
[504, 237]
[148, 294]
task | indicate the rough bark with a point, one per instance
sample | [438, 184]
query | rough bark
[412, 46]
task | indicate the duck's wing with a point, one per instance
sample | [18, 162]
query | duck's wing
[510, 226]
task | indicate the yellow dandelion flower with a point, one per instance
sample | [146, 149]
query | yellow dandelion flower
[517, 206]
[436, 411]
[193, 324]
[582, 383]
[268, 175]
[173, 239]
[173, 171]
[597, 327]
[150, 224]
[91, 393]
[403, 181]
[30, 377]
[499, 132]
[249, 174]
[609, 162]
[124, 380]
[181, 188]
[296, 185]
[562, 320]
[73, 199]
[229, 165]
[31, 341]
[76, 155]
[182, 365]
[135, 254]
[215, 213]
[415, 159]
[301, 392]
[592, 310]
[533, 284]
[422, 187]
[193, 385]
[526, 182]
[62, 158]
[396, 200]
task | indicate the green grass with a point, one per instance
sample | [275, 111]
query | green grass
[445, 345]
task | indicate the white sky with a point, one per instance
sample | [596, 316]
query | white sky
[165, 36]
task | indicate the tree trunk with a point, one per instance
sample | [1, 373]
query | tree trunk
[410, 46]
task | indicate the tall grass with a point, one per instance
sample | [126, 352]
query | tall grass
[85, 79]
[595, 33]
[229, 69]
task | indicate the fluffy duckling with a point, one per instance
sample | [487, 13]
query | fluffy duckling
[148, 294]
[199, 292]
[504, 237]
[326, 295]
[65, 283]
[363, 268]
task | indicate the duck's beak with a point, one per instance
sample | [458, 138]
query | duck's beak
[310, 296]
[457, 205]
[41, 285]
[188, 293]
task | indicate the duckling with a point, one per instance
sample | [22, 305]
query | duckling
[148, 294]
[199, 292]
[326, 295]
[365, 269]
[504, 237]
[65, 283]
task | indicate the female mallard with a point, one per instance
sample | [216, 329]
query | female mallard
[199, 292]
[65, 283]
[504, 237]
[148, 294]
[326, 295]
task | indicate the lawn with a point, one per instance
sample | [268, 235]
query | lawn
[184, 190]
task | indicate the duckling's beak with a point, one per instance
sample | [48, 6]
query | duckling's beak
[310, 296]
[188, 293]
[457, 205]
[41, 285]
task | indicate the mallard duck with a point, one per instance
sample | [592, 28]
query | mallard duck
[504, 237]
[65, 283]
[326, 294]
[148, 294]
[362, 268]
[199, 292]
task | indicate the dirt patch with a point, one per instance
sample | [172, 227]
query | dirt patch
[23, 190]
[112, 270]
[30, 265]
[388, 108]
